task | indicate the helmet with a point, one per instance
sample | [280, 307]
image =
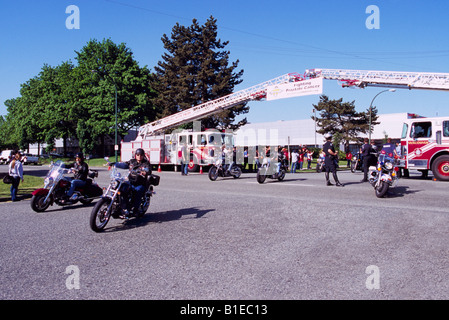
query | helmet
[328, 136]
[140, 151]
[79, 155]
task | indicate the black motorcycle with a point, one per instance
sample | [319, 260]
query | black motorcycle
[268, 170]
[218, 169]
[56, 185]
[118, 193]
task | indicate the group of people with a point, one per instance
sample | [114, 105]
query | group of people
[299, 157]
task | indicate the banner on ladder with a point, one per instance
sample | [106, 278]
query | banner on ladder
[295, 89]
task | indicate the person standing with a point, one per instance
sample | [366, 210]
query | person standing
[16, 172]
[295, 157]
[329, 161]
[366, 154]
[184, 160]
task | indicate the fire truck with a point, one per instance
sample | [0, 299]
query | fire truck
[165, 149]
[425, 146]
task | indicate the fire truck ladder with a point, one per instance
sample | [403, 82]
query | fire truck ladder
[256, 92]
[348, 78]
[391, 79]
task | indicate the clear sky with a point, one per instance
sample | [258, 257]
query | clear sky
[269, 38]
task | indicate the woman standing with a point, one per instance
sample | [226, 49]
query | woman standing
[16, 171]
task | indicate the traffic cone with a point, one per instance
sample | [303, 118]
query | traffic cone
[159, 168]
[201, 169]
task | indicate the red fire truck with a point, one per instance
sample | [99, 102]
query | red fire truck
[203, 147]
[425, 146]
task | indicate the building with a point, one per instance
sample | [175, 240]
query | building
[303, 132]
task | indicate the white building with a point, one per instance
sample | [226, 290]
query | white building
[303, 132]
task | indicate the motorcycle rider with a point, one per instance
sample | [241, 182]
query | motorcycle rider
[329, 161]
[81, 169]
[138, 182]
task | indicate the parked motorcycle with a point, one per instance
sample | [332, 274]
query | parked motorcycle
[319, 164]
[356, 163]
[217, 169]
[268, 170]
[56, 185]
[110, 204]
[384, 175]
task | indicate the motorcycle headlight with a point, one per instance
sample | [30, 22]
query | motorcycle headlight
[114, 184]
[388, 165]
[48, 181]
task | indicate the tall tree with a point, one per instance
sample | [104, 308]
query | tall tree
[104, 70]
[341, 118]
[196, 69]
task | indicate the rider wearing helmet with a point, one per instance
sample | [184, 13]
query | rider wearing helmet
[138, 181]
[81, 169]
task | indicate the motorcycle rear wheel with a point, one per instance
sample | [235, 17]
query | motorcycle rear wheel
[37, 203]
[281, 175]
[145, 204]
[381, 189]
[100, 215]
[237, 172]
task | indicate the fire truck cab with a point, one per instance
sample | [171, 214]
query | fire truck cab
[425, 146]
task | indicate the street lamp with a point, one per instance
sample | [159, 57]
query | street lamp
[370, 110]
[115, 87]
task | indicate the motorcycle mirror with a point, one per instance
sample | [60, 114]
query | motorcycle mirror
[106, 158]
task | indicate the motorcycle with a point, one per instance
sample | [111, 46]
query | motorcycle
[110, 204]
[384, 175]
[356, 162]
[56, 185]
[267, 170]
[217, 169]
[319, 164]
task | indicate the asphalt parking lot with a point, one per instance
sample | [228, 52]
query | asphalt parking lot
[236, 239]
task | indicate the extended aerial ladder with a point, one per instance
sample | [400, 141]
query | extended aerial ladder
[348, 78]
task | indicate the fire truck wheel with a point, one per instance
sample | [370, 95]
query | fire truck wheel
[440, 168]
[192, 166]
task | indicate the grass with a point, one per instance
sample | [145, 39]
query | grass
[29, 184]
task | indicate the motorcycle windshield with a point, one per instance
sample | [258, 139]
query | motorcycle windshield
[55, 169]
[118, 173]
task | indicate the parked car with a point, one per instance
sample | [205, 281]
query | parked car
[30, 159]
[6, 156]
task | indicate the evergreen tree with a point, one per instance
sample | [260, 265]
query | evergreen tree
[195, 69]
[340, 118]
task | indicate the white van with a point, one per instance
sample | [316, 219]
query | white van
[6, 156]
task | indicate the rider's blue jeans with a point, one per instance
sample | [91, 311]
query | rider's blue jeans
[75, 184]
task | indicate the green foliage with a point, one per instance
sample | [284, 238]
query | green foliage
[72, 101]
[342, 120]
[195, 69]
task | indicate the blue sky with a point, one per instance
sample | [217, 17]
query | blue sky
[269, 39]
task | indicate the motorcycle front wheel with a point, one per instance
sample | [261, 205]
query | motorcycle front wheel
[213, 173]
[100, 215]
[38, 204]
[261, 176]
[381, 189]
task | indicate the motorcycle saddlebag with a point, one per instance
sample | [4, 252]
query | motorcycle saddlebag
[154, 179]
